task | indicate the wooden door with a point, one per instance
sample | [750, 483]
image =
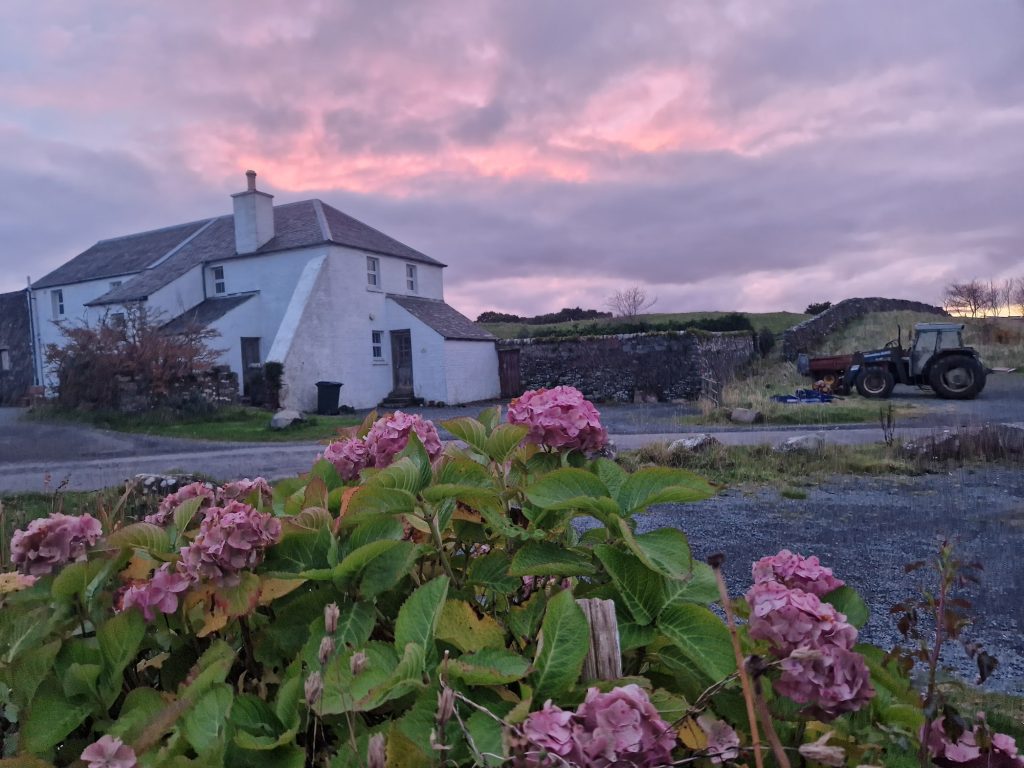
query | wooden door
[508, 373]
[401, 361]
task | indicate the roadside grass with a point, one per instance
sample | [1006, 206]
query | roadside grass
[230, 424]
[1003, 712]
[776, 322]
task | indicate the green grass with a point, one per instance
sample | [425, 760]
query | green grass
[235, 424]
[1004, 713]
[777, 322]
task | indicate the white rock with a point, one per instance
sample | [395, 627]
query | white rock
[694, 443]
[801, 443]
[284, 419]
[746, 416]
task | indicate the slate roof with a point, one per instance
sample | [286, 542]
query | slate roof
[442, 318]
[205, 312]
[163, 255]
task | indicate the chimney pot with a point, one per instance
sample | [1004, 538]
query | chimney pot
[250, 177]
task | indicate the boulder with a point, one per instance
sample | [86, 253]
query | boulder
[285, 418]
[1011, 437]
[746, 416]
[694, 443]
[940, 446]
[799, 443]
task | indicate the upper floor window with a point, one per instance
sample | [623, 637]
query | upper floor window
[410, 277]
[5, 360]
[373, 271]
[114, 284]
[377, 344]
[118, 320]
[57, 298]
[218, 280]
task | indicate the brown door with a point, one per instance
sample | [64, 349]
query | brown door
[401, 361]
[250, 363]
[508, 373]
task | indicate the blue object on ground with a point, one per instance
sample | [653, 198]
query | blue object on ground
[802, 396]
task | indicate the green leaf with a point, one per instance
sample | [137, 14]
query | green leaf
[846, 600]
[468, 430]
[661, 485]
[546, 558]
[665, 550]
[491, 572]
[402, 475]
[611, 474]
[490, 666]
[490, 418]
[73, 579]
[30, 668]
[670, 706]
[119, 639]
[563, 487]
[374, 529]
[701, 587]
[419, 614]
[185, 512]
[342, 689]
[239, 600]
[641, 589]
[300, 549]
[504, 440]
[565, 640]
[20, 632]
[459, 469]
[141, 706]
[415, 452]
[81, 680]
[51, 717]
[632, 636]
[524, 620]
[461, 627]
[371, 500]
[256, 725]
[205, 724]
[146, 536]
[406, 677]
[386, 571]
[487, 738]
[701, 637]
[355, 624]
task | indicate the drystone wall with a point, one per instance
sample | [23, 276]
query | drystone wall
[628, 367]
[16, 346]
[806, 335]
[196, 393]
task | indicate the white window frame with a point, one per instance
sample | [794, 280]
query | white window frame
[373, 273]
[412, 282]
[377, 346]
[5, 360]
[57, 298]
[220, 285]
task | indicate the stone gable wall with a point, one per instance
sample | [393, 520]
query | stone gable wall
[804, 336]
[16, 338]
[666, 366]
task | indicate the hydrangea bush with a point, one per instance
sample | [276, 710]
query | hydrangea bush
[406, 603]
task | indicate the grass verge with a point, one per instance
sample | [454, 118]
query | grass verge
[232, 424]
[776, 322]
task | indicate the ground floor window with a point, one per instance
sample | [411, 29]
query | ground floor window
[5, 359]
[377, 345]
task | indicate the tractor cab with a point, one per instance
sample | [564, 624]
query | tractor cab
[930, 340]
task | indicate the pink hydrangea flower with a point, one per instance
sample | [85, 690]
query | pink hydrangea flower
[230, 539]
[559, 418]
[109, 752]
[965, 750]
[622, 727]
[244, 489]
[349, 456]
[51, 542]
[160, 592]
[806, 573]
[830, 680]
[551, 729]
[165, 510]
[389, 435]
[723, 741]
[791, 619]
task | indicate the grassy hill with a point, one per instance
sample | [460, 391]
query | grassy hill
[777, 322]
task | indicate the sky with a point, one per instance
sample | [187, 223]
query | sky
[722, 155]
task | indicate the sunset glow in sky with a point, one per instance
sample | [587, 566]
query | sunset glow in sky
[725, 155]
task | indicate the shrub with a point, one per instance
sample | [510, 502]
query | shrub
[425, 612]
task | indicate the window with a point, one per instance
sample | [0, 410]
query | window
[373, 272]
[117, 320]
[114, 284]
[377, 345]
[5, 360]
[218, 280]
[57, 297]
[410, 277]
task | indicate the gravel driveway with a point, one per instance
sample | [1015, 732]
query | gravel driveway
[866, 529]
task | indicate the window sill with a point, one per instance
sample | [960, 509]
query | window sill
[375, 288]
[380, 362]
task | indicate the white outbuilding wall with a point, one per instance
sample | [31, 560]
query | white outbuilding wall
[471, 371]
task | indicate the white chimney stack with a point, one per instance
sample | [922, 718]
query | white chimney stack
[254, 216]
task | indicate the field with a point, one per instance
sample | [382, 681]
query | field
[776, 322]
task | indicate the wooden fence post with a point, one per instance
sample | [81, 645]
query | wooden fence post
[604, 659]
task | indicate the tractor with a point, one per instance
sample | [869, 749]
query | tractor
[936, 358]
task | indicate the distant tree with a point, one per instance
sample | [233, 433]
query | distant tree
[498, 317]
[1006, 289]
[765, 341]
[967, 298]
[1017, 298]
[630, 302]
[817, 307]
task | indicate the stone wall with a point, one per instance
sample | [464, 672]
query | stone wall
[16, 338]
[806, 335]
[666, 366]
[197, 393]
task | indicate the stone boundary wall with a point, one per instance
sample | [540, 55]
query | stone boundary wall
[16, 338]
[804, 336]
[623, 368]
[213, 388]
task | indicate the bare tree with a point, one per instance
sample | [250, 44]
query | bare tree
[992, 298]
[966, 298]
[630, 302]
[1018, 294]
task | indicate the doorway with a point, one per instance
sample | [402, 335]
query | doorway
[401, 362]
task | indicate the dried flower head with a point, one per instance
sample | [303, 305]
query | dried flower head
[331, 615]
[821, 752]
[445, 706]
[376, 752]
[313, 688]
[326, 650]
[357, 663]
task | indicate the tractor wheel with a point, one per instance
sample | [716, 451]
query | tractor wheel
[957, 377]
[875, 381]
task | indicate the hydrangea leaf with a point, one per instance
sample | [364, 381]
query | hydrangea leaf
[416, 452]
[487, 738]
[565, 640]
[205, 724]
[73, 580]
[146, 536]
[352, 565]
[240, 599]
[611, 474]
[461, 627]
[701, 587]
[702, 638]
[665, 550]
[119, 639]
[846, 600]
[468, 430]
[565, 485]
[641, 589]
[661, 485]
[546, 558]
[185, 513]
[491, 572]
[419, 614]
[524, 620]
[30, 668]
[490, 666]
[504, 440]
[51, 717]
[372, 500]
[387, 570]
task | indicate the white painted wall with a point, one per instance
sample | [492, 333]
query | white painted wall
[244, 320]
[471, 371]
[179, 295]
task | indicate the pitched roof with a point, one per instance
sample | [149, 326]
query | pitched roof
[157, 257]
[205, 312]
[442, 318]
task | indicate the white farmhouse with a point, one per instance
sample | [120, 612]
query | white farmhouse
[302, 284]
